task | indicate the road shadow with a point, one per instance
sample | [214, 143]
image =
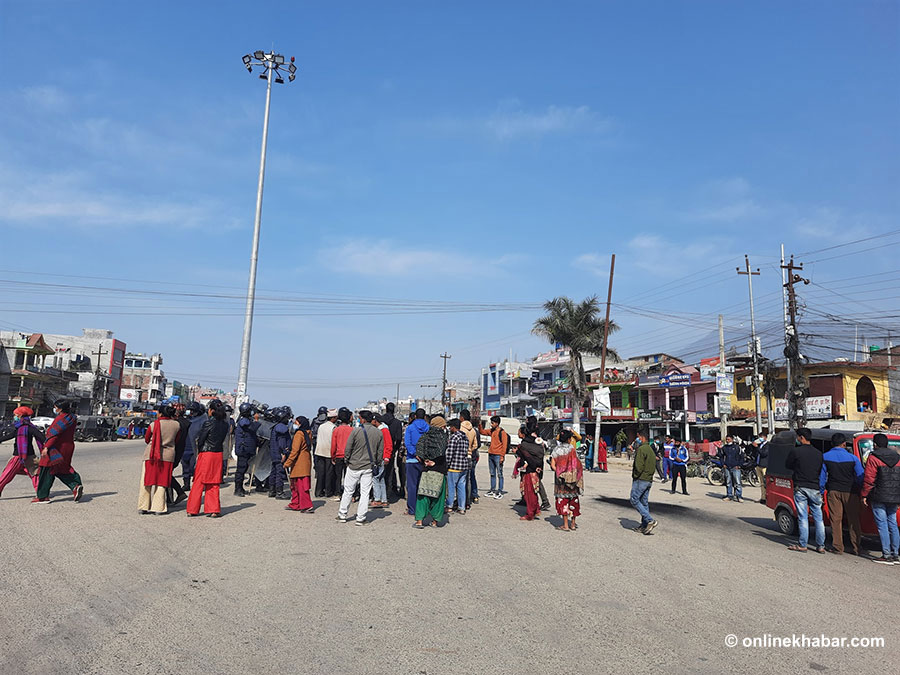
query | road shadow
[319, 503]
[662, 507]
[234, 508]
[377, 514]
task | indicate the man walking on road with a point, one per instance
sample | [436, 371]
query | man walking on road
[395, 428]
[365, 447]
[806, 463]
[641, 481]
[842, 476]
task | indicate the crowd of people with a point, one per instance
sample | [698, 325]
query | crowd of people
[429, 464]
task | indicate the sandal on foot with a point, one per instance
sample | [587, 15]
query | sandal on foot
[799, 549]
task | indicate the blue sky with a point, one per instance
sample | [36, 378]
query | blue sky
[466, 152]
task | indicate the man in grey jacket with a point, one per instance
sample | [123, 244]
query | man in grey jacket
[365, 447]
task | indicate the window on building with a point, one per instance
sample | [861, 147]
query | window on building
[711, 401]
[742, 390]
[615, 399]
[676, 402]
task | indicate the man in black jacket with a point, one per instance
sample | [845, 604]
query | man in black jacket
[805, 461]
[395, 429]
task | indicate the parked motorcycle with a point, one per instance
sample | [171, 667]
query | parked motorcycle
[715, 474]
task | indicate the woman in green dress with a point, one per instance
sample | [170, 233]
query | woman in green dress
[433, 484]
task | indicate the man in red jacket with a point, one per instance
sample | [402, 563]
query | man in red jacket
[881, 488]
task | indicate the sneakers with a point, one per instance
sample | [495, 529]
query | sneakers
[726, 499]
[639, 528]
[650, 527]
[498, 495]
[490, 493]
[362, 522]
[40, 501]
[474, 500]
[884, 560]
[739, 500]
[340, 518]
[336, 498]
[78, 492]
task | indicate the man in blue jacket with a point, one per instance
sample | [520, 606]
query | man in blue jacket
[842, 477]
[279, 445]
[413, 470]
[679, 457]
[245, 444]
[732, 460]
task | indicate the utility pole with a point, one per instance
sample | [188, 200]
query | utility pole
[723, 422]
[598, 415]
[796, 390]
[398, 393]
[97, 378]
[271, 63]
[444, 356]
[787, 329]
[750, 274]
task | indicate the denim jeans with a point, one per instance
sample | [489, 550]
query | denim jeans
[640, 499]
[496, 469]
[886, 521]
[456, 489]
[379, 489]
[733, 482]
[809, 499]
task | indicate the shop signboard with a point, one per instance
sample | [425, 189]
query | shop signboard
[650, 415]
[492, 405]
[725, 404]
[708, 369]
[725, 383]
[675, 380]
[817, 408]
[128, 395]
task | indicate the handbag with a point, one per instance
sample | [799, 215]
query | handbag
[376, 468]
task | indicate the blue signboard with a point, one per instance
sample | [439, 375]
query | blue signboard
[675, 380]
[492, 405]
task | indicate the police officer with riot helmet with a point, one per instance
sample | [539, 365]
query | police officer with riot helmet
[245, 444]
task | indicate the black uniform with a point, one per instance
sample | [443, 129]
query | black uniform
[245, 444]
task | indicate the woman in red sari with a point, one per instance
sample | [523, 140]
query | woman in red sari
[569, 483]
[56, 456]
[159, 458]
[208, 472]
[531, 459]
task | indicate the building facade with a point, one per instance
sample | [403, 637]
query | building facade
[143, 381]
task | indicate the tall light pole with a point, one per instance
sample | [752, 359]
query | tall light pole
[750, 274]
[272, 64]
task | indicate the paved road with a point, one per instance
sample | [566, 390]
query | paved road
[94, 587]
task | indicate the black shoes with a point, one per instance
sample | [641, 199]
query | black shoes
[281, 495]
[240, 492]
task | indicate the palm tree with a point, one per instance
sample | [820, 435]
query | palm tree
[580, 328]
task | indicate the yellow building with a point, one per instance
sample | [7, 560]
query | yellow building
[837, 390]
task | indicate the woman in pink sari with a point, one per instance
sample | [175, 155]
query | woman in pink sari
[569, 483]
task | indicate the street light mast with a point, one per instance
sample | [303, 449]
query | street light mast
[272, 64]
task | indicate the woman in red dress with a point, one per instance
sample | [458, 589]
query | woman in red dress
[208, 472]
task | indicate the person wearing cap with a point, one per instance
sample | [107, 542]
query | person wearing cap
[364, 450]
[299, 464]
[320, 419]
[246, 443]
[22, 460]
[322, 454]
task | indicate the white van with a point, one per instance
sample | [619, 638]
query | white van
[509, 424]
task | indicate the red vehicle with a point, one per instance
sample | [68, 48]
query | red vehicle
[780, 487]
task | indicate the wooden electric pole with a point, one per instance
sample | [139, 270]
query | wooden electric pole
[796, 386]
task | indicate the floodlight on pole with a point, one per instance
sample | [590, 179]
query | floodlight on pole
[270, 63]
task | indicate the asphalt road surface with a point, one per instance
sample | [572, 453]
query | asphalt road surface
[94, 587]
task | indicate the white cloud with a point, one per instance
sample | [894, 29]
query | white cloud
[45, 97]
[387, 258]
[513, 123]
[726, 200]
[48, 199]
[592, 263]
